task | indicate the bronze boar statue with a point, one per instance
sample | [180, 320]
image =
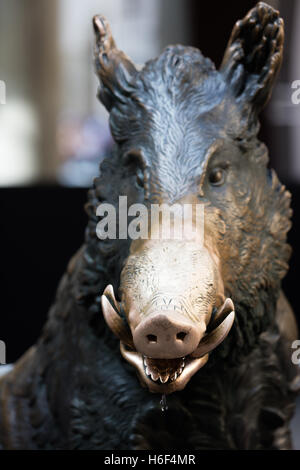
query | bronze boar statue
[201, 321]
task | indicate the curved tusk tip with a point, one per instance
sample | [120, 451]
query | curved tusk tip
[228, 304]
[109, 291]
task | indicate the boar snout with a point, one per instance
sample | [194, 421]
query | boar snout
[173, 311]
[167, 335]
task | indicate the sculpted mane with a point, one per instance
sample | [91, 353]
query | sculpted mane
[259, 259]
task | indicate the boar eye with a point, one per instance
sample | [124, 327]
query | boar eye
[217, 176]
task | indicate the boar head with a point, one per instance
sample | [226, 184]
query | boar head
[189, 132]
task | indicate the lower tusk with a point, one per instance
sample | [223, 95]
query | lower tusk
[215, 337]
[111, 313]
[222, 313]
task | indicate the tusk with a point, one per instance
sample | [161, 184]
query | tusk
[112, 316]
[215, 337]
[109, 293]
[222, 313]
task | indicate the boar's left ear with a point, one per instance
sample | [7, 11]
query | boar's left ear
[115, 70]
[253, 58]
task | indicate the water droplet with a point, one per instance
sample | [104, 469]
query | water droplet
[163, 403]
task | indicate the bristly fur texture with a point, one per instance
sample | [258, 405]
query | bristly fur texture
[173, 121]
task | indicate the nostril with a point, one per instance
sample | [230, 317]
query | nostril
[181, 335]
[152, 338]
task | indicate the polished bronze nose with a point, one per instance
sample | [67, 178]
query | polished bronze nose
[167, 335]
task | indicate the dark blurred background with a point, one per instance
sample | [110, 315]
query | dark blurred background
[54, 133]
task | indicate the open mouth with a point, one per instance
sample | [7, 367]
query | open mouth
[163, 375]
[163, 370]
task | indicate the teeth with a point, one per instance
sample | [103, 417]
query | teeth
[164, 379]
[154, 376]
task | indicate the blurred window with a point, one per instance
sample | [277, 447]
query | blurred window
[52, 127]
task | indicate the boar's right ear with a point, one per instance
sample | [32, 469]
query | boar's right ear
[115, 70]
[253, 58]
